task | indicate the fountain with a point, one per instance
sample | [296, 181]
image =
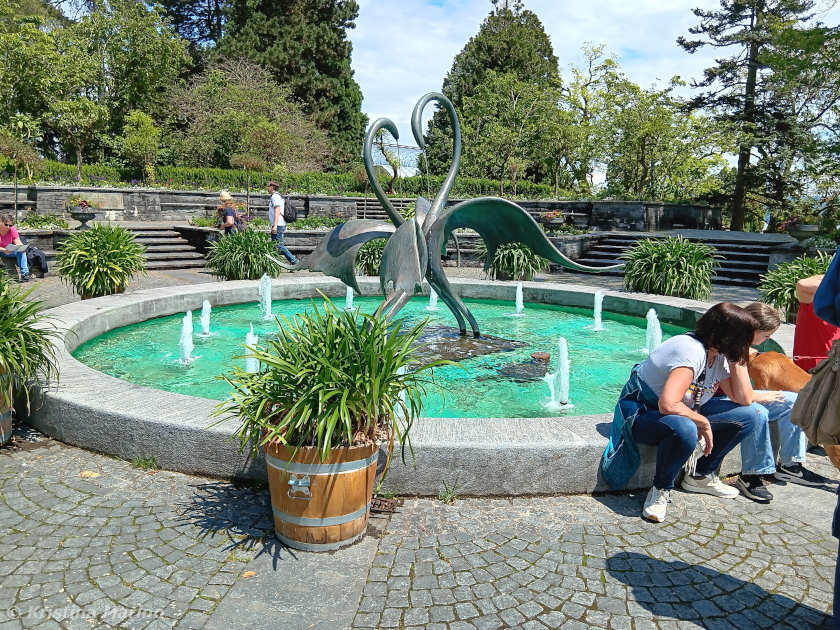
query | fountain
[433, 298]
[653, 333]
[186, 342]
[348, 299]
[252, 365]
[265, 296]
[520, 305]
[558, 382]
[599, 303]
[204, 318]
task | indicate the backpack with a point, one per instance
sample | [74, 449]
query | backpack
[289, 211]
[36, 258]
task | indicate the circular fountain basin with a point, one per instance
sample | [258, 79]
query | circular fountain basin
[484, 456]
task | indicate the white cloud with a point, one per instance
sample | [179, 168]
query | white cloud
[403, 49]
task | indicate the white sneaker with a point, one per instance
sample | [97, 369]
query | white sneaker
[655, 504]
[710, 484]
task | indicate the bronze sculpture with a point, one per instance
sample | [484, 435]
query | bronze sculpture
[414, 246]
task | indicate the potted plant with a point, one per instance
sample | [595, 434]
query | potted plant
[100, 261]
[513, 261]
[27, 352]
[243, 256]
[778, 286]
[82, 211]
[333, 386]
[671, 266]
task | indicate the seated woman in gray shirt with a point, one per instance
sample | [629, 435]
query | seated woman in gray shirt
[684, 373]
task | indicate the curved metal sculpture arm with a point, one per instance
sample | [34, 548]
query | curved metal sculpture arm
[499, 221]
[417, 129]
[336, 253]
[367, 157]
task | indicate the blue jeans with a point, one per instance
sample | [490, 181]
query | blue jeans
[676, 436]
[757, 456]
[835, 531]
[20, 260]
[278, 238]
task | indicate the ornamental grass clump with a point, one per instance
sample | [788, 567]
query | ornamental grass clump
[243, 256]
[329, 379]
[778, 286]
[671, 266]
[513, 261]
[27, 351]
[369, 257]
[100, 261]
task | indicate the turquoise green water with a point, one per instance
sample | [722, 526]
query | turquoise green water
[147, 354]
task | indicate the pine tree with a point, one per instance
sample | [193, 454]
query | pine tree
[512, 41]
[736, 84]
[304, 44]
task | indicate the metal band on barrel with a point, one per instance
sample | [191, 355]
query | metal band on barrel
[319, 469]
[318, 546]
[320, 522]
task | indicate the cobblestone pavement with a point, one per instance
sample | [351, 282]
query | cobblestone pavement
[89, 541]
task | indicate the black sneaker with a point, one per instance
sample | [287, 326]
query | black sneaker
[26, 277]
[752, 487]
[797, 473]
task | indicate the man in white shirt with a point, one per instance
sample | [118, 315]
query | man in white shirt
[277, 221]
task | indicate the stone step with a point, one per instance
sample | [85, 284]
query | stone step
[177, 247]
[176, 240]
[621, 241]
[174, 264]
[155, 233]
[174, 256]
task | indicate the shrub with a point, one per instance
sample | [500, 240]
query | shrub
[100, 261]
[329, 379]
[206, 222]
[513, 261]
[671, 266]
[315, 223]
[27, 353]
[43, 222]
[243, 256]
[370, 257]
[778, 286]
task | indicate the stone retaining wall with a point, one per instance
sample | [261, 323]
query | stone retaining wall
[153, 204]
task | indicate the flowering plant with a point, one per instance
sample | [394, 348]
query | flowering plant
[82, 202]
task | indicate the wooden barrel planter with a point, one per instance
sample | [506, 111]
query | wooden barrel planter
[320, 506]
[5, 425]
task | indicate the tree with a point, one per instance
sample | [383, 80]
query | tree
[305, 46]
[78, 122]
[656, 151]
[501, 125]
[511, 40]
[237, 108]
[391, 158]
[19, 153]
[128, 58]
[736, 83]
[141, 138]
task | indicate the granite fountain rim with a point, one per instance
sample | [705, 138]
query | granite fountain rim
[127, 420]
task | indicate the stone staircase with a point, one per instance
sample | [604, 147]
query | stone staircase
[742, 262]
[166, 249]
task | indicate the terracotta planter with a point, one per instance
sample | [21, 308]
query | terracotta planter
[320, 506]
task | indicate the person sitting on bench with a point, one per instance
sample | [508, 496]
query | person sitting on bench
[9, 244]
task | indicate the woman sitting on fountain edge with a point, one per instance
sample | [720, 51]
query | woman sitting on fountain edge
[668, 403]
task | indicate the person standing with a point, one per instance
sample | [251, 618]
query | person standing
[231, 220]
[9, 236]
[276, 207]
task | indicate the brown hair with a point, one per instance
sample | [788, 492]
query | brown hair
[729, 329]
[766, 316]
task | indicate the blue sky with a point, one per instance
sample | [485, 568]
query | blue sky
[404, 48]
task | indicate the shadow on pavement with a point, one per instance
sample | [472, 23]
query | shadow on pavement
[241, 514]
[706, 597]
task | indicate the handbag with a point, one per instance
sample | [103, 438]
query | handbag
[817, 407]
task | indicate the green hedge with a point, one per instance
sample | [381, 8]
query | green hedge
[194, 178]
